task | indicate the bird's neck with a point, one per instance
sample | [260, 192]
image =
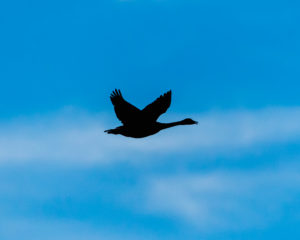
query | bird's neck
[172, 124]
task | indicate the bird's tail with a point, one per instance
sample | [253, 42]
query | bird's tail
[113, 131]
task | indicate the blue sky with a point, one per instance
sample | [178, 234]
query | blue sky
[232, 66]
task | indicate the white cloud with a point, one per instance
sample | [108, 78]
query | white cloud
[225, 201]
[76, 136]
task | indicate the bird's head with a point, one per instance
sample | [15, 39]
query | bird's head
[189, 121]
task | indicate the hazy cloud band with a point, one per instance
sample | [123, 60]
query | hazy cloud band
[76, 136]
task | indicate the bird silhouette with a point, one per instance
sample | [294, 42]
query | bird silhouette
[142, 123]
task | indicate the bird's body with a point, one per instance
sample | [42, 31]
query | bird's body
[136, 131]
[142, 123]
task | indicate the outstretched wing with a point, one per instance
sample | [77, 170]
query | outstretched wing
[126, 112]
[158, 107]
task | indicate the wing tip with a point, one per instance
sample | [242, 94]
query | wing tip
[168, 93]
[116, 93]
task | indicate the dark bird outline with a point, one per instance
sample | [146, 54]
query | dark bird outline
[142, 123]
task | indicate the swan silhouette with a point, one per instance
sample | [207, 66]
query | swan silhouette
[142, 123]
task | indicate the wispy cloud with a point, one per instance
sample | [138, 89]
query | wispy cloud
[76, 136]
[225, 201]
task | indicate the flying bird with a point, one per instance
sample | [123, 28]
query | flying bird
[142, 123]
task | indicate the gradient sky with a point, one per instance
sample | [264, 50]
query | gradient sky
[232, 65]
